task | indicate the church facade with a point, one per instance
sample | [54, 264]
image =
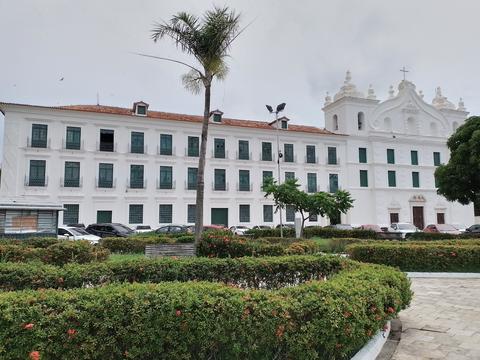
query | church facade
[138, 166]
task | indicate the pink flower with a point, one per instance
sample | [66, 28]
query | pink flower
[28, 326]
[34, 355]
[71, 332]
[178, 313]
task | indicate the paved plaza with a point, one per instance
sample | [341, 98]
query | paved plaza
[443, 321]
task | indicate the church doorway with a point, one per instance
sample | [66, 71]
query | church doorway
[418, 220]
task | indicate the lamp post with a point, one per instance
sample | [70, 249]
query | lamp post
[280, 108]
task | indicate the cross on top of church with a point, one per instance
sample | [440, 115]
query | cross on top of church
[404, 72]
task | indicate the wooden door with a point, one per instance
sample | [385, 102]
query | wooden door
[418, 220]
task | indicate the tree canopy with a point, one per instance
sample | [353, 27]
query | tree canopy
[319, 203]
[459, 179]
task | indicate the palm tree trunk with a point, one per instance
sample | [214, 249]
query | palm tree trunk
[201, 168]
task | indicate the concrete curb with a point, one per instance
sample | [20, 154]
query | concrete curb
[443, 275]
[374, 346]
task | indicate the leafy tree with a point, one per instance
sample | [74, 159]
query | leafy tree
[208, 39]
[320, 203]
[459, 180]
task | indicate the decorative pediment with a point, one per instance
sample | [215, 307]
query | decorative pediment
[410, 108]
[417, 198]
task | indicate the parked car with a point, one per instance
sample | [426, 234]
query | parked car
[76, 225]
[74, 233]
[286, 226]
[371, 227]
[173, 229]
[214, 228]
[239, 230]
[261, 227]
[442, 229]
[405, 229]
[142, 229]
[340, 227]
[460, 227]
[473, 229]
[109, 230]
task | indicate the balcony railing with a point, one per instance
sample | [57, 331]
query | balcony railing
[106, 184]
[221, 155]
[244, 156]
[136, 184]
[166, 186]
[38, 144]
[166, 152]
[71, 183]
[69, 145]
[106, 147]
[244, 187]
[220, 186]
[34, 182]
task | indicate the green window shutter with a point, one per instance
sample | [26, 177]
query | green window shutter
[414, 157]
[243, 150]
[392, 179]
[333, 182]
[289, 175]
[37, 173]
[72, 174]
[219, 148]
[136, 176]
[244, 180]
[70, 214]
[312, 182]
[332, 155]
[362, 155]
[137, 143]
[39, 135]
[135, 214]
[363, 178]
[267, 213]
[244, 213]
[436, 158]
[415, 179]
[166, 178]
[193, 146]
[104, 216]
[267, 151]
[191, 209]
[74, 138]
[311, 156]
[105, 175]
[192, 178]
[220, 180]
[290, 213]
[288, 153]
[165, 214]
[165, 144]
[390, 156]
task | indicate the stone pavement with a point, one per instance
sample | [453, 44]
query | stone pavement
[443, 321]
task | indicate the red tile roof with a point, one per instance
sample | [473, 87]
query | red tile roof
[102, 109]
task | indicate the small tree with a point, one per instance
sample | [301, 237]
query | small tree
[320, 203]
[459, 180]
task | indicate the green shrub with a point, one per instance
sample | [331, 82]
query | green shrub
[439, 236]
[35, 242]
[263, 233]
[265, 272]
[132, 244]
[185, 239]
[327, 320]
[339, 245]
[430, 257]
[315, 231]
[59, 253]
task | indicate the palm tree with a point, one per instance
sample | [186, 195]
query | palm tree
[208, 40]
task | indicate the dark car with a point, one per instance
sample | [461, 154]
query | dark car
[473, 229]
[286, 226]
[109, 230]
[173, 229]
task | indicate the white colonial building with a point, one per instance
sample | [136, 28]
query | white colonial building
[134, 165]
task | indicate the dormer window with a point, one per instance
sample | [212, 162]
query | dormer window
[140, 108]
[216, 116]
[284, 124]
[281, 123]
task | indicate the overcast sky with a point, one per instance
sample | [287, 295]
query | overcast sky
[293, 52]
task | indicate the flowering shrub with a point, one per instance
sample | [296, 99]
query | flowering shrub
[265, 272]
[327, 320]
[432, 256]
[34, 242]
[314, 231]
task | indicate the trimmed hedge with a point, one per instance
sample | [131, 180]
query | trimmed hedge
[35, 242]
[136, 244]
[59, 253]
[266, 272]
[316, 231]
[431, 257]
[317, 320]
[438, 236]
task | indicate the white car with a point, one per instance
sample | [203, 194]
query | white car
[460, 227]
[142, 229]
[405, 228]
[73, 233]
[239, 230]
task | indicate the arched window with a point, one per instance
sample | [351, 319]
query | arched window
[433, 129]
[335, 122]
[455, 126]
[411, 126]
[387, 123]
[361, 121]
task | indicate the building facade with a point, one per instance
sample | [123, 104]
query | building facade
[137, 166]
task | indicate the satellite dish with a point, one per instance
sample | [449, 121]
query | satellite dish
[281, 107]
[269, 108]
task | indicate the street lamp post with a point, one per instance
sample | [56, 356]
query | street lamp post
[280, 108]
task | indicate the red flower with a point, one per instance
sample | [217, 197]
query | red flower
[28, 326]
[71, 332]
[280, 330]
[453, 254]
[178, 312]
[390, 310]
[34, 355]
[347, 314]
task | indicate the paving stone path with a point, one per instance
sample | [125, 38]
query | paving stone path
[443, 321]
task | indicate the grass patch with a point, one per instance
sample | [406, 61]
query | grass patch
[125, 257]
